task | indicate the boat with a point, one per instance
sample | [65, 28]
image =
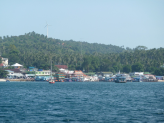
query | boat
[51, 81]
[122, 78]
[137, 79]
[7, 80]
[67, 80]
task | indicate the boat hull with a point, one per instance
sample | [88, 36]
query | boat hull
[51, 82]
[120, 82]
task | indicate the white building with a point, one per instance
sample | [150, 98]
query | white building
[16, 65]
[43, 73]
[12, 74]
[136, 74]
[5, 61]
[66, 71]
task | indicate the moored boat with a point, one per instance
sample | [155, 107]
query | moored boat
[122, 78]
[137, 79]
[52, 81]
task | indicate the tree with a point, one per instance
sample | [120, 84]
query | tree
[127, 69]
[159, 72]
[137, 67]
[0, 59]
[3, 73]
[86, 63]
[13, 54]
[141, 48]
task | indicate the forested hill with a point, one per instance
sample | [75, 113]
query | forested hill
[33, 42]
[37, 50]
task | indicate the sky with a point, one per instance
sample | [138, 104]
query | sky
[127, 23]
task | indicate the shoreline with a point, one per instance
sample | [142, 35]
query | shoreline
[17, 80]
[32, 80]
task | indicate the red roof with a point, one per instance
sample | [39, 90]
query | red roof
[62, 66]
[78, 72]
[1, 65]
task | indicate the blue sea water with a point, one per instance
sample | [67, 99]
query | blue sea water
[81, 102]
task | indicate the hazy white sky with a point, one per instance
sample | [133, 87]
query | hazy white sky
[117, 22]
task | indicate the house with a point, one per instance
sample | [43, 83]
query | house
[14, 73]
[66, 71]
[136, 73]
[43, 73]
[62, 66]
[1, 65]
[30, 75]
[32, 69]
[17, 66]
[162, 66]
[105, 74]
[78, 73]
[5, 61]
[60, 76]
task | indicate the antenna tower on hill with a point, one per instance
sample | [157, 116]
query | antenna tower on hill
[47, 28]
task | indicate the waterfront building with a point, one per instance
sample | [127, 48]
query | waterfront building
[65, 71]
[60, 76]
[32, 69]
[62, 66]
[1, 65]
[78, 75]
[30, 75]
[104, 74]
[160, 77]
[14, 73]
[149, 78]
[42, 73]
[136, 73]
[17, 66]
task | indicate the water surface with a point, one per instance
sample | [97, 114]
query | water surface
[89, 102]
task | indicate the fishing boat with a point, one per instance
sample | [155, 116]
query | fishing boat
[51, 81]
[137, 79]
[122, 78]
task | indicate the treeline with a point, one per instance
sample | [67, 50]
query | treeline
[37, 43]
[36, 50]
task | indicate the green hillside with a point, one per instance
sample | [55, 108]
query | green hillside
[40, 43]
[36, 50]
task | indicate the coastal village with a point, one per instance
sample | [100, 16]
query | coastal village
[19, 73]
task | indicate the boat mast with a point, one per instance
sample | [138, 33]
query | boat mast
[51, 69]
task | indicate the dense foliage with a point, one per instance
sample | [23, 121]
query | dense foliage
[3, 73]
[36, 50]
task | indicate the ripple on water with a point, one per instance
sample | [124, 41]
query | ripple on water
[81, 102]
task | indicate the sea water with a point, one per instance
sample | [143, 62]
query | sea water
[81, 102]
